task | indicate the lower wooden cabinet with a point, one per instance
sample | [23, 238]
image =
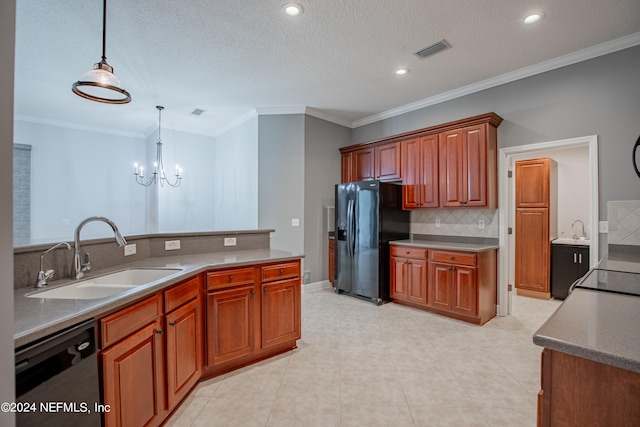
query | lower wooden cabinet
[457, 284]
[281, 319]
[409, 269]
[133, 370]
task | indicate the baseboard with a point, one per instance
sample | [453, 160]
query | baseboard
[316, 286]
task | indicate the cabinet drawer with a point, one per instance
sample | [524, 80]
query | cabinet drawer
[454, 257]
[280, 271]
[409, 252]
[225, 278]
[181, 294]
[127, 321]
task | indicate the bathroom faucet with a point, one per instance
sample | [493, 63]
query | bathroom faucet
[80, 267]
[43, 276]
[575, 236]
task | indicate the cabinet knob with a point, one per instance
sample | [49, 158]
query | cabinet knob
[231, 277]
[159, 331]
[265, 290]
[172, 324]
[253, 291]
[451, 257]
[281, 271]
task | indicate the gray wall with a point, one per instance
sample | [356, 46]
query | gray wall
[7, 51]
[281, 179]
[600, 97]
[321, 173]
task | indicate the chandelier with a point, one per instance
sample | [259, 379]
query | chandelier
[158, 175]
[100, 84]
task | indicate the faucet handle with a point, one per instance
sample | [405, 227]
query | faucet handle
[86, 266]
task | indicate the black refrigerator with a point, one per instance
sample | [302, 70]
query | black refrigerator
[368, 215]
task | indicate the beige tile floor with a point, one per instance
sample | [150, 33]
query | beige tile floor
[362, 365]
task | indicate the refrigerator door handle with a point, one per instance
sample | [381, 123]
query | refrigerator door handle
[353, 228]
[349, 221]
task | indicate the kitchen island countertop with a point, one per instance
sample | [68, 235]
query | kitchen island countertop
[469, 246]
[35, 318]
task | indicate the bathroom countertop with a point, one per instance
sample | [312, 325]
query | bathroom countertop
[35, 318]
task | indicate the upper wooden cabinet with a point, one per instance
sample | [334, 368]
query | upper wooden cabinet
[533, 178]
[449, 165]
[468, 167]
[388, 162]
[420, 165]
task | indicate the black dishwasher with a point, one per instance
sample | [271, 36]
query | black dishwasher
[57, 382]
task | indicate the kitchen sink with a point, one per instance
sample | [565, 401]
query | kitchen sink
[107, 285]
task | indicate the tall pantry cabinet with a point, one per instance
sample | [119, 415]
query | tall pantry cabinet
[536, 225]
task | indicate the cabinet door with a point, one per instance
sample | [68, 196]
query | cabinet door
[280, 312]
[362, 164]
[465, 290]
[429, 168]
[452, 165]
[583, 261]
[532, 183]
[532, 249]
[345, 175]
[388, 162]
[417, 270]
[184, 350]
[412, 174]
[399, 278]
[230, 324]
[133, 379]
[474, 173]
[440, 286]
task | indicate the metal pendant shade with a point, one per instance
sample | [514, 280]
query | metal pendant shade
[100, 84]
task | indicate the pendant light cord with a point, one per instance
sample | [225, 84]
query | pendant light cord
[104, 31]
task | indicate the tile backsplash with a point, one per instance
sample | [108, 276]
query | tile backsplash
[624, 222]
[456, 222]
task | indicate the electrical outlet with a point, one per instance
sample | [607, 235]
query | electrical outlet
[130, 249]
[306, 276]
[438, 223]
[481, 224]
[295, 222]
[171, 245]
[229, 241]
[603, 226]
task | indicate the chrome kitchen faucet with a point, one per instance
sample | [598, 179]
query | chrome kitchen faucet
[43, 275]
[80, 267]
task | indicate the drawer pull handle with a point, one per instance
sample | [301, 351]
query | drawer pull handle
[253, 291]
[451, 257]
[408, 252]
[231, 277]
[172, 324]
[281, 271]
[159, 331]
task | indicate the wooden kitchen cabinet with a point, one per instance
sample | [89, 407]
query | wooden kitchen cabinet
[463, 284]
[420, 180]
[363, 164]
[281, 319]
[183, 325]
[388, 160]
[536, 220]
[581, 392]
[133, 367]
[345, 167]
[409, 272]
[332, 260]
[231, 314]
[468, 167]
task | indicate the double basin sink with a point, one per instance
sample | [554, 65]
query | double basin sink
[107, 285]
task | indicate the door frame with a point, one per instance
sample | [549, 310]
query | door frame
[506, 203]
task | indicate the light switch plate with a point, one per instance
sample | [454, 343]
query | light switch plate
[295, 222]
[130, 249]
[603, 226]
[171, 245]
[229, 241]
[438, 222]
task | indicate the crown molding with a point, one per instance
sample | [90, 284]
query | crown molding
[236, 122]
[552, 64]
[327, 117]
[76, 126]
[274, 111]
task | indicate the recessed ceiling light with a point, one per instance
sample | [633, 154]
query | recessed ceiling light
[402, 71]
[534, 17]
[292, 9]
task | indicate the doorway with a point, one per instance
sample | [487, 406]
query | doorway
[585, 148]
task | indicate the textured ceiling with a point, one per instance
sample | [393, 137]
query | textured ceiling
[230, 58]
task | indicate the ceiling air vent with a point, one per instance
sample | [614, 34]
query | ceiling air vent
[433, 49]
[197, 112]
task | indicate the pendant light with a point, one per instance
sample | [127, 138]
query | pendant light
[100, 84]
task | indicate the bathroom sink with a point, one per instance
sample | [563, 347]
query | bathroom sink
[566, 241]
[107, 285]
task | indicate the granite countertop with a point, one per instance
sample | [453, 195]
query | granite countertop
[468, 246]
[573, 242]
[35, 318]
[597, 325]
